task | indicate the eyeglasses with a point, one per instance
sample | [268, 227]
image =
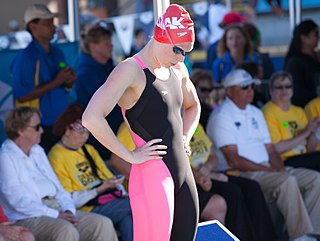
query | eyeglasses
[78, 127]
[204, 89]
[245, 87]
[36, 127]
[178, 50]
[175, 49]
[282, 87]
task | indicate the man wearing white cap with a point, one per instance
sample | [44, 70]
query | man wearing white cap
[41, 77]
[240, 131]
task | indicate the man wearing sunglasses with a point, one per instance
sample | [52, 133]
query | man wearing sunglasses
[240, 131]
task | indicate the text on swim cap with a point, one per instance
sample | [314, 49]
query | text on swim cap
[170, 22]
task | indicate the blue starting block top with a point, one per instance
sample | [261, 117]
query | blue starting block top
[214, 231]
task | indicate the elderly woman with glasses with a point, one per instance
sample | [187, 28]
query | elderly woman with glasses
[30, 193]
[293, 135]
[83, 173]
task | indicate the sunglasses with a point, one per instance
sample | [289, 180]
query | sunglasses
[178, 50]
[204, 89]
[282, 87]
[245, 87]
[78, 127]
[36, 127]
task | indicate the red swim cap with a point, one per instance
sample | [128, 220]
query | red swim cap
[174, 26]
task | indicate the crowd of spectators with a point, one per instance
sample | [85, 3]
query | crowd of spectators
[254, 146]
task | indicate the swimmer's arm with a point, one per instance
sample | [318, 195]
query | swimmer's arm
[102, 103]
[191, 105]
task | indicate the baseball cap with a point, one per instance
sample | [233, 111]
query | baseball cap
[240, 77]
[232, 17]
[174, 26]
[38, 10]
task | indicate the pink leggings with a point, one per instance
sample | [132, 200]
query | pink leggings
[151, 191]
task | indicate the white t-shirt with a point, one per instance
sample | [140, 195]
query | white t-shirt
[229, 125]
[44, 185]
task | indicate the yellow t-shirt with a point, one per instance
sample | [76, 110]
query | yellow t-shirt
[73, 169]
[284, 125]
[312, 110]
[200, 145]
[124, 136]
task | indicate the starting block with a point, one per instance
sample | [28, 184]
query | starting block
[214, 231]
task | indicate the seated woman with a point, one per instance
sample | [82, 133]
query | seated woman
[293, 135]
[9, 231]
[234, 48]
[312, 110]
[30, 192]
[83, 173]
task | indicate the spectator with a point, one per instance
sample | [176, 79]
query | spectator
[303, 62]
[239, 130]
[40, 73]
[83, 173]
[38, 201]
[11, 232]
[242, 215]
[312, 110]
[247, 214]
[294, 137]
[265, 62]
[260, 91]
[206, 92]
[140, 41]
[229, 18]
[95, 65]
[233, 48]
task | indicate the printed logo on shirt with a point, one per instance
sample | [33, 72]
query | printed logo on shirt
[85, 176]
[254, 123]
[237, 124]
[293, 128]
[164, 92]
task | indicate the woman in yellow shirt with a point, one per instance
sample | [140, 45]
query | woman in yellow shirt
[293, 135]
[83, 173]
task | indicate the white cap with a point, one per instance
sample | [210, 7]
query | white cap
[240, 77]
[38, 10]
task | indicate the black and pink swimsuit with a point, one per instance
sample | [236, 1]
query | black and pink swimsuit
[162, 193]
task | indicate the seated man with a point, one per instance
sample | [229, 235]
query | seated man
[240, 131]
[30, 192]
[294, 137]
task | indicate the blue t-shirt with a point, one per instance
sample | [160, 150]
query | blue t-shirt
[91, 75]
[23, 69]
[224, 64]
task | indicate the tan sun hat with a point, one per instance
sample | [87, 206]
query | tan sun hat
[38, 10]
